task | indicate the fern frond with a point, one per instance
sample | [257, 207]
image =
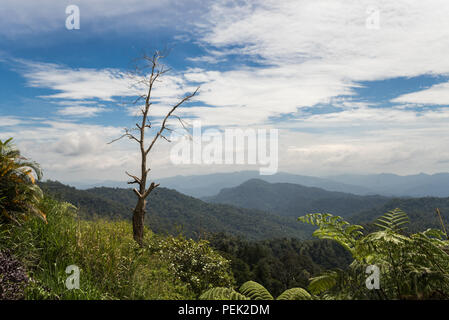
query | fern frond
[222, 294]
[334, 228]
[255, 291]
[295, 294]
[392, 220]
[323, 282]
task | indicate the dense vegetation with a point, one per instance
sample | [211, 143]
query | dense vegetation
[421, 212]
[112, 265]
[279, 264]
[409, 266]
[412, 265]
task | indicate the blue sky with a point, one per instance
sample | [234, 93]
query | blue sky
[347, 97]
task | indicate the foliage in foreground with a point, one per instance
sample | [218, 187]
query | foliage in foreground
[412, 266]
[19, 194]
[252, 290]
[112, 265]
[194, 262]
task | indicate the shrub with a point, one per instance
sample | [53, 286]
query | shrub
[195, 263]
[19, 195]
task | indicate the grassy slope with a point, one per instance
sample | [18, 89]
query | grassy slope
[112, 265]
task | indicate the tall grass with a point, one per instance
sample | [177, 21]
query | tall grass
[112, 265]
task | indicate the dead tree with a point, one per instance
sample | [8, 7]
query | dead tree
[155, 71]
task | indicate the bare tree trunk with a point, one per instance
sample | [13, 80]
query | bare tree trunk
[138, 221]
[157, 71]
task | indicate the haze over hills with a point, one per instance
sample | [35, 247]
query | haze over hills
[288, 199]
[199, 186]
[210, 184]
[418, 185]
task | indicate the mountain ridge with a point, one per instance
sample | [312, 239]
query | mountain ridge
[288, 199]
[169, 211]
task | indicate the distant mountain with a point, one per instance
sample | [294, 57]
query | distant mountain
[386, 184]
[419, 185]
[170, 211]
[208, 185]
[288, 199]
[295, 200]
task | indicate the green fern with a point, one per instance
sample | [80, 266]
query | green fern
[295, 294]
[255, 291]
[393, 220]
[334, 228]
[323, 282]
[414, 266]
[252, 290]
[222, 294]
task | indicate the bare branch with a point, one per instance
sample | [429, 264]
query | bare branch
[126, 134]
[152, 186]
[137, 193]
[163, 127]
[139, 98]
[136, 180]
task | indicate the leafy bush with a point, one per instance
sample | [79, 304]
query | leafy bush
[412, 266]
[19, 195]
[194, 262]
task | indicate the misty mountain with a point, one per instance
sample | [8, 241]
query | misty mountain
[208, 185]
[419, 185]
[288, 199]
[199, 186]
[169, 211]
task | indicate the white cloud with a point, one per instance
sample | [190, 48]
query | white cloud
[313, 51]
[83, 84]
[435, 95]
[7, 121]
[77, 84]
[27, 17]
[81, 111]
[331, 35]
[308, 53]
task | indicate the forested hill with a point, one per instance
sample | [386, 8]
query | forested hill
[170, 212]
[421, 212]
[290, 199]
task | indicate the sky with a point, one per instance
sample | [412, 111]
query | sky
[353, 86]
